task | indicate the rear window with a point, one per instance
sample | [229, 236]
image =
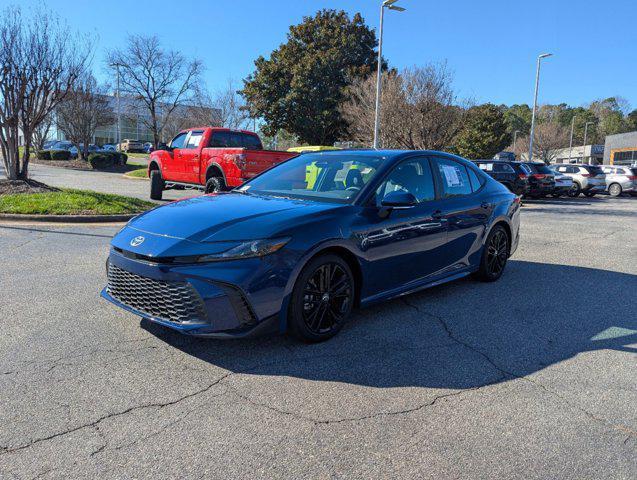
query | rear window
[235, 140]
[539, 168]
[594, 170]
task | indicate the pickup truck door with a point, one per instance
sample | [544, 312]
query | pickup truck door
[172, 165]
[190, 157]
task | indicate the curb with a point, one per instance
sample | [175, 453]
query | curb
[68, 218]
[133, 178]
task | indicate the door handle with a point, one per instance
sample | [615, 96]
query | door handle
[437, 215]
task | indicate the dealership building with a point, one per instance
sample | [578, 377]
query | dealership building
[621, 149]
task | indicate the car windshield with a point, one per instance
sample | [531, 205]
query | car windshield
[317, 176]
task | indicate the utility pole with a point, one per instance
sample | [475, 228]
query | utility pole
[119, 112]
[537, 85]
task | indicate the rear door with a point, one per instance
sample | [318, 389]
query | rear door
[465, 209]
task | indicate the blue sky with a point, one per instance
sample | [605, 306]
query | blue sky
[490, 45]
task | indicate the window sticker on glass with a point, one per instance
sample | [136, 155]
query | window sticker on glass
[452, 175]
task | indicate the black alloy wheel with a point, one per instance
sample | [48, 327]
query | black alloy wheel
[214, 185]
[575, 190]
[323, 298]
[494, 255]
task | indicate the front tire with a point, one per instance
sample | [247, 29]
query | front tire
[322, 299]
[156, 185]
[494, 255]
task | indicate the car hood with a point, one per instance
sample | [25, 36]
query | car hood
[220, 218]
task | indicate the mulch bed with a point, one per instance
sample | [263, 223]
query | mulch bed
[8, 187]
[82, 165]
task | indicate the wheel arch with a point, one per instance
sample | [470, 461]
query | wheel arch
[215, 170]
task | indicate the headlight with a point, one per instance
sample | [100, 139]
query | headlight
[254, 248]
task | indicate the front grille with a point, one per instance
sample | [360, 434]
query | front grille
[174, 301]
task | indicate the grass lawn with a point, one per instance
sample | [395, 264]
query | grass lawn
[71, 202]
[139, 173]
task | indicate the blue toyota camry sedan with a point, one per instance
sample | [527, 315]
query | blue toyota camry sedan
[299, 246]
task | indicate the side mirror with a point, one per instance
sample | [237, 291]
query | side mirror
[399, 200]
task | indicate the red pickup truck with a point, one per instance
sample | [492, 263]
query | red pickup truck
[210, 157]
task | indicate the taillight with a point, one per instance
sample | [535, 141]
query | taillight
[240, 161]
[586, 174]
[632, 177]
[538, 175]
[522, 176]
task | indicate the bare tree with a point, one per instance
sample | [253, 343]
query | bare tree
[418, 111]
[161, 79]
[39, 63]
[85, 108]
[549, 137]
[233, 112]
[41, 132]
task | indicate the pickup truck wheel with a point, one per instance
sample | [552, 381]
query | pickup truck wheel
[156, 185]
[214, 185]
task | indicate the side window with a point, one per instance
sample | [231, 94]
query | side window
[178, 141]
[454, 178]
[476, 180]
[413, 176]
[194, 139]
[563, 169]
[219, 140]
[487, 167]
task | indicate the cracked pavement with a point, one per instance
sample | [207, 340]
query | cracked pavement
[529, 377]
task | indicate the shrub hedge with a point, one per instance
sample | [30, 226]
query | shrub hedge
[44, 154]
[60, 154]
[101, 160]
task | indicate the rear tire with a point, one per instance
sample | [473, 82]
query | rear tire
[494, 255]
[215, 185]
[156, 185]
[575, 190]
[615, 190]
[322, 299]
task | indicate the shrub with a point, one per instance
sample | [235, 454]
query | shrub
[60, 154]
[44, 155]
[101, 160]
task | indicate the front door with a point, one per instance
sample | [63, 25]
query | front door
[189, 157]
[404, 248]
[173, 168]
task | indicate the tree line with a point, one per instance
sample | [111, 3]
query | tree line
[317, 88]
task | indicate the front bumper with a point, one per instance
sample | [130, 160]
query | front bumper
[197, 300]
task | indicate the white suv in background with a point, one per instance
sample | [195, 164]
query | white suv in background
[587, 179]
[620, 179]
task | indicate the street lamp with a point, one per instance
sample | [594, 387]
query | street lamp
[119, 115]
[390, 5]
[570, 145]
[537, 84]
[584, 146]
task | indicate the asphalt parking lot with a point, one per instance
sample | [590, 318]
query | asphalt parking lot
[533, 376]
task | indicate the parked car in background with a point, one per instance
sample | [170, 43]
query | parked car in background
[61, 145]
[91, 149]
[130, 146]
[506, 156]
[513, 175]
[563, 184]
[109, 147]
[210, 157]
[279, 254]
[587, 179]
[541, 180]
[48, 144]
[148, 147]
[620, 179]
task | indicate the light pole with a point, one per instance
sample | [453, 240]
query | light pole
[584, 146]
[570, 145]
[537, 84]
[119, 115]
[390, 5]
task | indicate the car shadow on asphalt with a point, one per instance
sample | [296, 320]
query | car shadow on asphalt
[460, 335]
